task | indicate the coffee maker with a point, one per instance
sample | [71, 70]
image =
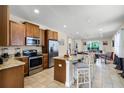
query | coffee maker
[17, 52]
[1, 60]
[5, 53]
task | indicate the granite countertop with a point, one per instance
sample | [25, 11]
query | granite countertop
[11, 62]
[71, 58]
[21, 56]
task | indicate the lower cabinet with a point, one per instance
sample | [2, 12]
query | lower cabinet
[12, 77]
[45, 61]
[60, 70]
[26, 66]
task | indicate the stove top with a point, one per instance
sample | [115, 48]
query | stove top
[31, 53]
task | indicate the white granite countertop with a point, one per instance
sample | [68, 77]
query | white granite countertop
[11, 62]
[71, 58]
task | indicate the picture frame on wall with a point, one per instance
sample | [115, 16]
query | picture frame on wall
[61, 42]
[84, 43]
[113, 43]
[105, 42]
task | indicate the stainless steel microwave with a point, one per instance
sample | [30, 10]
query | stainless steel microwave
[32, 41]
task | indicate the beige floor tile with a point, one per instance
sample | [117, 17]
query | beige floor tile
[105, 76]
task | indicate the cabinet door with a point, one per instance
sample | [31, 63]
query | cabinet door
[17, 34]
[45, 61]
[56, 35]
[50, 35]
[4, 25]
[26, 67]
[60, 70]
[42, 37]
[36, 31]
[29, 30]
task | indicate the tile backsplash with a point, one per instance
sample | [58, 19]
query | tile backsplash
[11, 49]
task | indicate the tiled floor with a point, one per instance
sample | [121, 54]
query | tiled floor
[105, 77]
[44, 79]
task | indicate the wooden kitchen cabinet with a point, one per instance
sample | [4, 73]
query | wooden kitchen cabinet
[26, 66]
[17, 33]
[29, 30]
[60, 70]
[36, 32]
[50, 35]
[32, 30]
[45, 61]
[12, 77]
[55, 35]
[4, 25]
[42, 37]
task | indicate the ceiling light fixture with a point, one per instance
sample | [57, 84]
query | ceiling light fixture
[65, 26]
[88, 21]
[100, 29]
[77, 32]
[36, 11]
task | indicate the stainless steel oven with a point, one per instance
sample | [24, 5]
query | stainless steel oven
[32, 41]
[35, 64]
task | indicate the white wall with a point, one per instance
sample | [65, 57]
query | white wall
[80, 45]
[105, 48]
[62, 48]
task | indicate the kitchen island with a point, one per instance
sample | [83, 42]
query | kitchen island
[12, 74]
[63, 69]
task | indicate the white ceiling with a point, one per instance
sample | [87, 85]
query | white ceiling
[85, 19]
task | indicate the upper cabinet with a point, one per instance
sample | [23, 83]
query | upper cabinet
[4, 25]
[17, 33]
[42, 37]
[52, 35]
[55, 35]
[32, 30]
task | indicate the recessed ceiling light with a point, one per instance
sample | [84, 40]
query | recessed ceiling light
[100, 29]
[36, 11]
[88, 21]
[65, 26]
[77, 32]
[101, 35]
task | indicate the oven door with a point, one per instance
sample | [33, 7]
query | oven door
[35, 62]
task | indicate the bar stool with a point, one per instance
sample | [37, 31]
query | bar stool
[92, 66]
[83, 73]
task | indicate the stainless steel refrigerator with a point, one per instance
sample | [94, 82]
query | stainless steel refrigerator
[53, 51]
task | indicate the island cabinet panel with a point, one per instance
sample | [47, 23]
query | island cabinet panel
[12, 77]
[17, 33]
[4, 25]
[60, 70]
